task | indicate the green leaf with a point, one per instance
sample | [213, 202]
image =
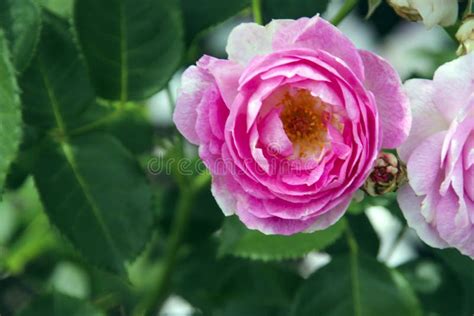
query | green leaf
[134, 130]
[95, 193]
[60, 7]
[284, 9]
[438, 287]
[252, 288]
[57, 304]
[29, 149]
[373, 5]
[237, 240]
[132, 47]
[200, 15]
[463, 267]
[33, 242]
[356, 285]
[56, 88]
[21, 20]
[10, 113]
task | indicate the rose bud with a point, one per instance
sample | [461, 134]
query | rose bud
[388, 175]
[465, 36]
[431, 12]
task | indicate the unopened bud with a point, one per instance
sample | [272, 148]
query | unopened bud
[431, 12]
[465, 36]
[405, 10]
[388, 175]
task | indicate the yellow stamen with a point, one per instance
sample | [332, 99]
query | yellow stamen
[304, 119]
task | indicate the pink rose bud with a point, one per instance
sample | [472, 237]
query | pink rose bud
[388, 175]
[465, 36]
[431, 12]
[291, 123]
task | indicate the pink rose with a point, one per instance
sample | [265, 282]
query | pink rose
[291, 124]
[439, 200]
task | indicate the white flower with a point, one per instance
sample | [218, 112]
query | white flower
[432, 12]
[465, 36]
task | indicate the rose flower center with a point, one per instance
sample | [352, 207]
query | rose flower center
[305, 118]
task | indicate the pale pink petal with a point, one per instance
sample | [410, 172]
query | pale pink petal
[318, 34]
[451, 158]
[248, 40]
[223, 189]
[330, 217]
[392, 103]
[410, 204]
[459, 234]
[468, 152]
[469, 183]
[273, 135]
[426, 119]
[454, 85]
[226, 75]
[194, 83]
[424, 164]
[270, 225]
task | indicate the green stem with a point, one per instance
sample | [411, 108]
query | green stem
[156, 297]
[469, 8]
[344, 11]
[257, 11]
[354, 251]
[169, 94]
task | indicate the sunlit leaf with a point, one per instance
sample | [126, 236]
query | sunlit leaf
[237, 240]
[10, 113]
[21, 20]
[95, 193]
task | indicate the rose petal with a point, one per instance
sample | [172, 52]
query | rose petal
[194, 83]
[458, 75]
[392, 103]
[248, 40]
[426, 119]
[424, 164]
[318, 34]
[410, 204]
[459, 234]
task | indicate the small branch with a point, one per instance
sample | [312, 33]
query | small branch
[171, 100]
[351, 241]
[95, 124]
[257, 11]
[158, 295]
[344, 11]
[469, 8]
[354, 270]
